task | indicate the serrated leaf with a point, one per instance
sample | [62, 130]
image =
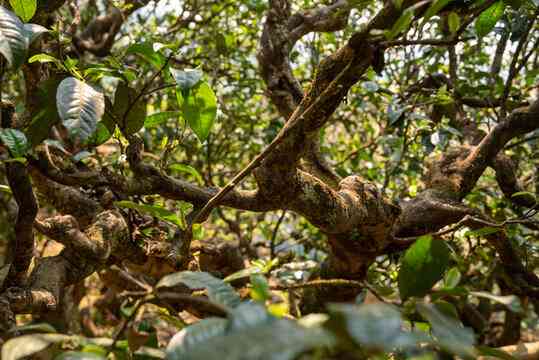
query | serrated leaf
[423, 264]
[159, 118]
[450, 334]
[13, 38]
[26, 345]
[218, 291]
[402, 24]
[80, 107]
[375, 326]
[199, 109]
[156, 211]
[453, 21]
[132, 121]
[15, 141]
[189, 170]
[488, 18]
[186, 79]
[25, 9]
[512, 302]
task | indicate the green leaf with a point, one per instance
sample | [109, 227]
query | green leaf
[402, 24]
[15, 141]
[433, 9]
[189, 170]
[488, 18]
[452, 278]
[25, 9]
[13, 38]
[525, 194]
[487, 230]
[80, 107]
[260, 290]
[423, 264]
[132, 122]
[5, 189]
[447, 309]
[104, 130]
[26, 345]
[39, 327]
[146, 51]
[195, 335]
[450, 334]
[45, 58]
[186, 79]
[497, 353]
[218, 291]
[247, 315]
[268, 339]
[453, 21]
[375, 326]
[101, 135]
[243, 273]
[159, 118]
[47, 117]
[512, 302]
[199, 109]
[156, 211]
[77, 355]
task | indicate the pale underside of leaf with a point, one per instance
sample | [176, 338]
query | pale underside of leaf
[13, 39]
[80, 107]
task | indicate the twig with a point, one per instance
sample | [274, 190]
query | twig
[465, 221]
[145, 87]
[331, 283]
[513, 68]
[274, 235]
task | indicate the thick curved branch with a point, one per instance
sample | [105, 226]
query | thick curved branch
[507, 179]
[19, 182]
[281, 32]
[520, 122]
[98, 37]
[66, 199]
[21, 187]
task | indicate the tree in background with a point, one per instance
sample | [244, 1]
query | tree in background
[269, 180]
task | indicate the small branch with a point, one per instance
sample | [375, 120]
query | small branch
[331, 283]
[274, 234]
[146, 86]
[432, 42]
[513, 68]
